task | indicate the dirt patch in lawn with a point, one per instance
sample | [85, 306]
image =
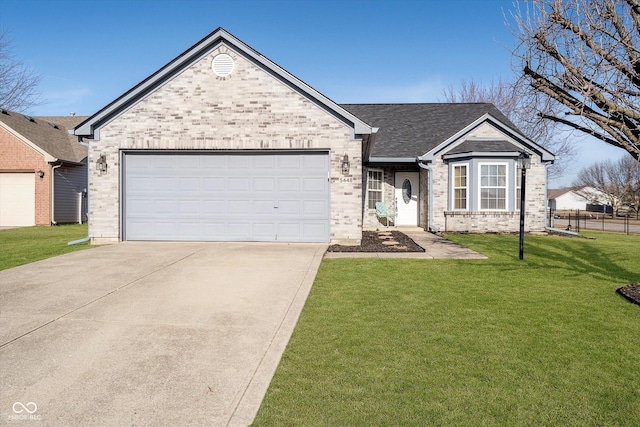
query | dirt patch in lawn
[631, 292]
[381, 241]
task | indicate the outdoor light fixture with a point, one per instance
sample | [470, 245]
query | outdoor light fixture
[524, 163]
[40, 174]
[345, 165]
[101, 164]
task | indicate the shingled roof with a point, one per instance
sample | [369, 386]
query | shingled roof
[409, 130]
[49, 133]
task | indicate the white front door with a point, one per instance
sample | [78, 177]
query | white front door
[407, 198]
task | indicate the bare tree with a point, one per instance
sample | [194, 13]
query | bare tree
[508, 97]
[584, 56]
[618, 182]
[18, 83]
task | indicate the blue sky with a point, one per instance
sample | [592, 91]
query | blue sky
[91, 51]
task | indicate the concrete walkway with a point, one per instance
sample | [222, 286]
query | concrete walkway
[149, 333]
[435, 247]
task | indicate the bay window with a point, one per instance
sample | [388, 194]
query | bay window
[493, 186]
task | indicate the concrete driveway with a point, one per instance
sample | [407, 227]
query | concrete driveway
[149, 333]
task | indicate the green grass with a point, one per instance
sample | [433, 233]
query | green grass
[28, 244]
[498, 342]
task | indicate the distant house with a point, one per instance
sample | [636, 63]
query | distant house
[223, 144]
[43, 175]
[576, 198]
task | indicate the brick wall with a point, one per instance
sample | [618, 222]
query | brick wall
[249, 109]
[18, 156]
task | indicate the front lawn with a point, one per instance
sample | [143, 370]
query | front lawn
[28, 244]
[497, 342]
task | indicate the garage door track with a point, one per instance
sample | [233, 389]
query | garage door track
[141, 333]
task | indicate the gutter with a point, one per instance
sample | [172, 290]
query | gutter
[431, 227]
[85, 239]
[52, 199]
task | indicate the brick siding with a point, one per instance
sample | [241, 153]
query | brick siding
[17, 156]
[250, 109]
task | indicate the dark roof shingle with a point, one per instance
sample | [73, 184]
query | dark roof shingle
[409, 130]
[54, 140]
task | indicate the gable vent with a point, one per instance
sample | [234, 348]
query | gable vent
[222, 65]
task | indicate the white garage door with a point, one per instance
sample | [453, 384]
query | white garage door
[226, 197]
[17, 199]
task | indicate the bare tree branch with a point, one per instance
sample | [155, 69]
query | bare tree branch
[18, 83]
[584, 55]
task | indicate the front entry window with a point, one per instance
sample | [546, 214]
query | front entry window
[374, 188]
[406, 191]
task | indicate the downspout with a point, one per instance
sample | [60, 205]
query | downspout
[546, 203]
[430, 227]
[52, 191]
[85, 239]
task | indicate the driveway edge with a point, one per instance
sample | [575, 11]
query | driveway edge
[249, 402]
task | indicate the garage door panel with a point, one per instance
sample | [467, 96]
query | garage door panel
[264, 207]
[289, 230]
[238, 185]
[289, 162]
[264, 185]
[189, 207]
[211, 230]
[17, 199]
[239, 230]
[190, 230]
[239, 207]
[164, 184]
[314, 208]
[264, 162]
[315, 231]
[289, 184]
[289, 207]
[226, 197]
[264, 231]
[165, 229]
[213, 207]
[314, 184]
[213, 184]
[239, 162]
[166, 206]
[161, 162]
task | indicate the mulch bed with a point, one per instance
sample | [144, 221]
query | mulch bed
[631, 292]
[372, 241]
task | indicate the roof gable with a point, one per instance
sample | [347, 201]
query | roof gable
[47, 135]
[219, 37]
[512, 140]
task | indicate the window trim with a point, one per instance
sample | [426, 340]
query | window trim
[369, 189]
[506, 186]
[453, 187]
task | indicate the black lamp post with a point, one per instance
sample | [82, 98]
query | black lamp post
[524, 163]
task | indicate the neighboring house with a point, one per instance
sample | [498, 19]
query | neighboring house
[223, 144]
[576, 198]
[43, 174]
